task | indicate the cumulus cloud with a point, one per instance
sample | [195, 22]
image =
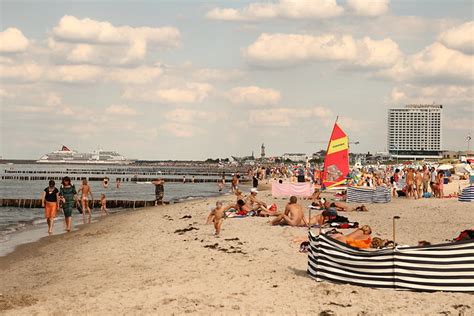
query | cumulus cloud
[99, 42]
[12, 40]
[214, 74]
[138, 75]
[434, 63]
[20, 72]
[284, 9]
[75, 73]
[253, 95]
[182, 122]
[277, 50]
[286, 116]
[187, 93]
[439, 94]
[460, 37]
[120, 110]
[368, 7]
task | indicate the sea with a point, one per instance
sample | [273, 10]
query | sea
[21, 225]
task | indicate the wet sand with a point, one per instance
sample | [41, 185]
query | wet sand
[160, 261]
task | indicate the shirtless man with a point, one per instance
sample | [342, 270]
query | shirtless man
[293, 215]
[85, 192]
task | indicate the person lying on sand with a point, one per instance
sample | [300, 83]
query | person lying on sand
[319, 219]
[240, 208]
[293, 215]
[339, 206]
[359, 238]
[216, 216]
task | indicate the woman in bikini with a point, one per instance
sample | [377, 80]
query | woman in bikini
[85, 192]
[359, 238]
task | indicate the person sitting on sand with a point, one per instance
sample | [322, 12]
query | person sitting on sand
[255, 204]
[103, 204]
[359, 238]
[216, 216]
[293, 215]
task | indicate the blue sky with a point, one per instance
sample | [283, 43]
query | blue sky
[199, 79]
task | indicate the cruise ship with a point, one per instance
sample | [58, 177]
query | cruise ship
[66, 155]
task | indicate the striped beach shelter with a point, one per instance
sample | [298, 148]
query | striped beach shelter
[467, 194]
[445, 267]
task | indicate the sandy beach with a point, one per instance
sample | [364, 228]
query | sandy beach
[139, 262]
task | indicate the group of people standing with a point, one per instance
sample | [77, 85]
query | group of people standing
[66, 198]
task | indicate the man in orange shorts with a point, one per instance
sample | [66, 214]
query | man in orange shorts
[50, 202]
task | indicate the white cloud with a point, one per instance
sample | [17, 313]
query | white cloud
[138, 75]
[120, 110]
[460, 37]
[439, 94]
[213, 74]
[180, 130]
[284, 9]
[75, 73]
[187, 93]
[20, 72]
[100, 42]
[368, 7]
[435, 62]
[286, 116]
[182, 122]
[253, 95]
[287, 49]
[12, 40]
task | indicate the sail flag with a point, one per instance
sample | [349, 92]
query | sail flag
[65, 148]
[336, 163]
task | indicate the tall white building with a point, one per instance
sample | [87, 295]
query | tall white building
[415, 131]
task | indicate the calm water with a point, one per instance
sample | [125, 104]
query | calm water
[14, 220]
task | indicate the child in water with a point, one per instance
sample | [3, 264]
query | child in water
[216, 216]
[103, 204]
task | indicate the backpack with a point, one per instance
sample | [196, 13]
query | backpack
[467, 234]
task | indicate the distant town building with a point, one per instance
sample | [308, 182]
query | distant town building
[295, 157]
[415, 131]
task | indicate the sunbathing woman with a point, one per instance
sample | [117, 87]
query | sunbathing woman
[359, 238]
[240, 208]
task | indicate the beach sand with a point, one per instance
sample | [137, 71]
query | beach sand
[136, 263]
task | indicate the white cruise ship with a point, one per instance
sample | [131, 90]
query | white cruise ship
[66, 155]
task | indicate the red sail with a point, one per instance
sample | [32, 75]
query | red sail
[65, 148]
[336, 163]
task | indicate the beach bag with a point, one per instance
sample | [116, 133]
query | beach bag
[467, 234]
[273, 208]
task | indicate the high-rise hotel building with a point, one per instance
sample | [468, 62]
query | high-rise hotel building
[415, 131]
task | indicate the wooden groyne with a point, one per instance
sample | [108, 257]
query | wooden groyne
[36, 203]
[111, 180]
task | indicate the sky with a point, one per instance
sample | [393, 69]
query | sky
[201, 79]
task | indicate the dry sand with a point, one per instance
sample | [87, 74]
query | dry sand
[135, 263]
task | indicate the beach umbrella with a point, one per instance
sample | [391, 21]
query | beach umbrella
[445, 167]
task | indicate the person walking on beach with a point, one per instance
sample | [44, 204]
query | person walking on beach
[103, 204]
[221, 183]
[50, 202]
[184, 179]
[117, 182]
[85, 192]
[216, 216]
[68, 195]
[159, 191]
